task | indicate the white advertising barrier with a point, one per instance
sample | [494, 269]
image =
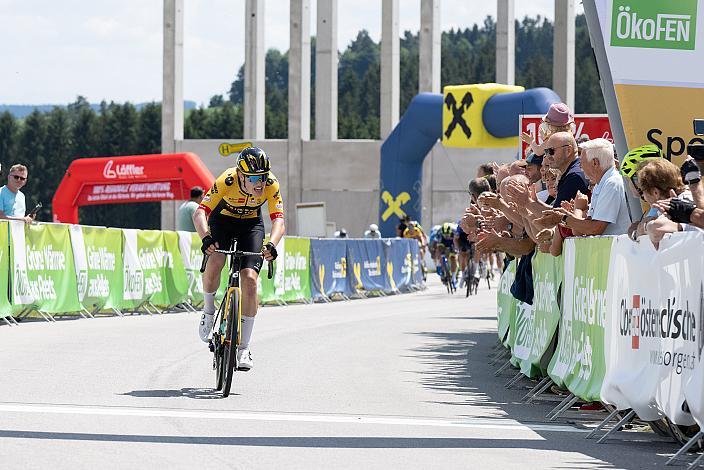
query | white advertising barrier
[680, 321]
[653, 332]
[629, 381]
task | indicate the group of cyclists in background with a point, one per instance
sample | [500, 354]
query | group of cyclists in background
[456, 261]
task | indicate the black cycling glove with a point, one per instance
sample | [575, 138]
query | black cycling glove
[690, 172]
[207, 241]
[681, 211]
[272, 250]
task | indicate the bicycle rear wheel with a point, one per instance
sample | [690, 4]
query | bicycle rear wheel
[229, 362]
[217, 345]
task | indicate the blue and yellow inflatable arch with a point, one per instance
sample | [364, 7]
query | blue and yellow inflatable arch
[471, 116]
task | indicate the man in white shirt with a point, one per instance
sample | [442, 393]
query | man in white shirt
[12, 201]
[608, 209]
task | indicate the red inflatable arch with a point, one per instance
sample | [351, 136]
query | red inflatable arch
[124, 180]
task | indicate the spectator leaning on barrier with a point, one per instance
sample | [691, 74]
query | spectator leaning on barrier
[187, 209]
[517, 168]
[372, 232]
[629, 169]
[484, 170]
[533, 167]
[560, 154]
[403, 225]
[681, 214]
[608, 209]
[476, 187]
[559, 118]
[12, 201]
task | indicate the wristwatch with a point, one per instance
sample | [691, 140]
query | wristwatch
[509, 226]
[564, 219]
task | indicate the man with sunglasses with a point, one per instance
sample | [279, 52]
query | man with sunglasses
[232, 210]
[12, 201]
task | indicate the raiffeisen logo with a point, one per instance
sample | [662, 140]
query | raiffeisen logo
[658, 24]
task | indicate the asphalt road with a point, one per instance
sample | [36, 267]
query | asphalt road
[396, 382]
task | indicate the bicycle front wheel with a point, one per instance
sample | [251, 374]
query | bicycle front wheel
[230, 344]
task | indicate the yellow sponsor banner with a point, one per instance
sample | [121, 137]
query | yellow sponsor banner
[226, 149]
[661, 115]
[462, 111]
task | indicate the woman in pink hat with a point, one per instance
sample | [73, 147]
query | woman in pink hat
[559, 118]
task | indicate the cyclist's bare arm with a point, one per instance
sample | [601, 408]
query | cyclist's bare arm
[200, 221]
[278, 229]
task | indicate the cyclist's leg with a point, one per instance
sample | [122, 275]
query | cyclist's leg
[453, 261]
[211, 281]
[251, 238]
[211, 276]
[222, 233]
[464, 257]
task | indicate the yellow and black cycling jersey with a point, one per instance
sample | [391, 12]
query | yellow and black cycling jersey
[414, 232]
[226, 197]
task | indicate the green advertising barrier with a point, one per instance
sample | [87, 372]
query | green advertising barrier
[175, 278]
[41, 258]
[506, 303]
[150, 250]
[578, 362]
[296, 269]
[192, 257]
[536, 324]
[97, 254]
[5, 307]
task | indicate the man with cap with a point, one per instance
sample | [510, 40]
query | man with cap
[533, 164]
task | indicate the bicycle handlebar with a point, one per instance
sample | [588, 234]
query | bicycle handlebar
[239, 254]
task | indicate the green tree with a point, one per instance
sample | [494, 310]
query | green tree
[149, 129]
[8, 135]
[58, 156]
[83, 128]
[31, 152]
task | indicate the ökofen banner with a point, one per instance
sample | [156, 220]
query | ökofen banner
[655, 53]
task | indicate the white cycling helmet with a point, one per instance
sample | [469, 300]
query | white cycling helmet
[373, 227]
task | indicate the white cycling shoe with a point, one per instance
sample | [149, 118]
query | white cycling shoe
[205, 326]
[244, 360]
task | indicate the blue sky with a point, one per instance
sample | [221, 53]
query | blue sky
[53, 51]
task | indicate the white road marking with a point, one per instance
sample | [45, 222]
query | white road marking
[473, 423]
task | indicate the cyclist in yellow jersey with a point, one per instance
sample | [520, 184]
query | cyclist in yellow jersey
[415, 231]
[231, 210]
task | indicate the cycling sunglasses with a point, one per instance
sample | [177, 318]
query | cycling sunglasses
[551, 150]
[634, 180]
[254, 179]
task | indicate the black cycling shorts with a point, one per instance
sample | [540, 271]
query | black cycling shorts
[248, 233]
[464, 244]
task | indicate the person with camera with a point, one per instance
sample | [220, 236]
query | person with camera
[12, 201]
[687, 215]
